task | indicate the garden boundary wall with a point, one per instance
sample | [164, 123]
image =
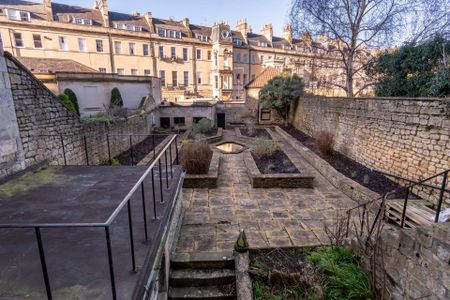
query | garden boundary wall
[38, 113]
[408, 137]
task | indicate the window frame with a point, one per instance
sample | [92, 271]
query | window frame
[35, 40]
[117, 46]
[99, 46]
[185, 54]
[63, 43]
[198, 54]
[185, 78]
[145, 49]
[132, 48]
[84, 43]
[18, 39]
[120, 71]
[162, 77]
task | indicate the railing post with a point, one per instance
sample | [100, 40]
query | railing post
[348, 222]
[363, 219]
[43, 263]
[167, 171]
[63, 149]
[110, 263]
[441, 197]
[131, 149]
[177, 162]
[144, 210]
[130, 227]
[109, 150]
[170, 160]
[160, 181]
[154, 195]
[404, 208]
[154, 147]
[86, 150]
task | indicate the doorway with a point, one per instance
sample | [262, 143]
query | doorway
[221, 120]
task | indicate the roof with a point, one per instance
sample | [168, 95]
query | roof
[263, 78]
[53, 65]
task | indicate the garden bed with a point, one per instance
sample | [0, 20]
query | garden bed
[278, 162]
[139, 151]
[255, 133]
[208, 180]
[274, 178]
[376, 182]
[328, 272]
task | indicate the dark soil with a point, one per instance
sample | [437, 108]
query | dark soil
[377, 182]
[256, 133]
[276, 163]
[140, 151]
[209, 133]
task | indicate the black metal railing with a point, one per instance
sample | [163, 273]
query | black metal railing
[98, 149]
[363, 209]
[170, 149]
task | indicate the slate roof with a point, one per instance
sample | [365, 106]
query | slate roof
[263, 78]
[53, 65]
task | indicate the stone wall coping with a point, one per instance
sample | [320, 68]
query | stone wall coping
[377, 98]
[86, 76]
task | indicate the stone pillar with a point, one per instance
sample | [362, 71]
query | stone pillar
[11, 154]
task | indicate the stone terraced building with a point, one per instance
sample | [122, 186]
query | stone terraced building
[192, 61]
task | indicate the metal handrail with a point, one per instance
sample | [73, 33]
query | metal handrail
[384, 198]
[436, 187]
[106, 225]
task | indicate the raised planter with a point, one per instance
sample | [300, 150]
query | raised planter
[216, 138]
[280, 180]
[349, 187]
[205, 180]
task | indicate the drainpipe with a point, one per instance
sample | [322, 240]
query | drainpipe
[111, 54]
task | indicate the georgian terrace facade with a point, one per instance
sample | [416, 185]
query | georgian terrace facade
[192, 61]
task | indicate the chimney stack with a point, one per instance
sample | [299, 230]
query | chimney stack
[287, 33]
[149, 19]
[186, 23]
[243, 28]
[267, 31]
[48, 10]
[103, 7]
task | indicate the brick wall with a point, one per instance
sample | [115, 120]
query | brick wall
[406, 137]
[39, 112]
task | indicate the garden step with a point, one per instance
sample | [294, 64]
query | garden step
[203, 260]
[201, 277]
[200, 293]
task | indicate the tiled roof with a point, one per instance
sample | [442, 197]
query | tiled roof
[120, 18]
[53, 65]
[263, 78]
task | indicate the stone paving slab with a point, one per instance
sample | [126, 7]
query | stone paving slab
[270, 217]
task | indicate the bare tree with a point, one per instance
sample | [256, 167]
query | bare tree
[356, 26]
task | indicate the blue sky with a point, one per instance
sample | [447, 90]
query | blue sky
[205, 12]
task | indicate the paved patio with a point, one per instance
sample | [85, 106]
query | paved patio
[270, 217]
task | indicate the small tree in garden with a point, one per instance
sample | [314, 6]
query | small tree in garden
[65, 99]
[73, 99]
[281, 93]
[116, 98]
[202, 126]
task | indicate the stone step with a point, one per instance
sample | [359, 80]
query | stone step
[203, 293]
[201, 277]
[203, 260]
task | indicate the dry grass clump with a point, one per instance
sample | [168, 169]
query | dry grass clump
[325, 143]
[196, 157]
[262, 147]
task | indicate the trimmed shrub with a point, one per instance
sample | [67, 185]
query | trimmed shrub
[116, 97]
[202, 126]
[262, 147]
[196, 157]
[65, 99]
[73, 98]
[325, 143]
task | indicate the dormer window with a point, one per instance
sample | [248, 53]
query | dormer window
[286, 47]
[262, 44]
[169, 33]
[237, 42]
[201, 37]
[124, 26]
[17, 15]
[82, 21]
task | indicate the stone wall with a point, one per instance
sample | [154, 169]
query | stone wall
[411, 263]
[42, 119]
[406, 137]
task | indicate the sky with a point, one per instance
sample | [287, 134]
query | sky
[205, 12]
